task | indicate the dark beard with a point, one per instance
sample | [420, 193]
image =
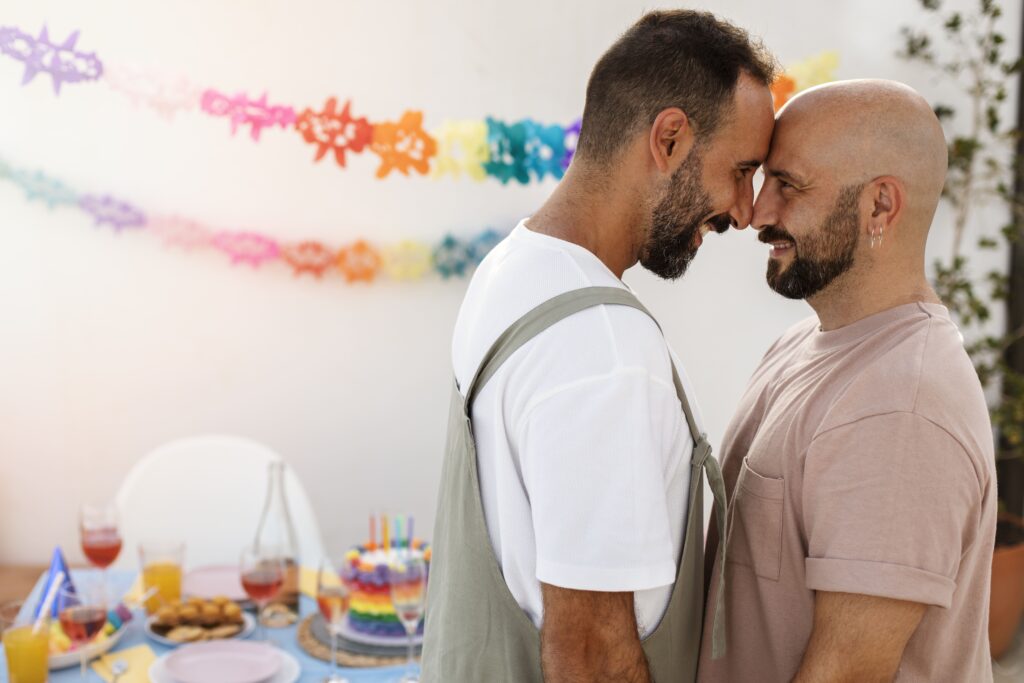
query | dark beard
[676, 221]
[823, 256]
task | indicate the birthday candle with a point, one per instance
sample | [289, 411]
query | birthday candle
[408, 534]
[373, 533]
[385, 532]
[398, 531]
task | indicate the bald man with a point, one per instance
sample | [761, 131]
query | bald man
[859, 466]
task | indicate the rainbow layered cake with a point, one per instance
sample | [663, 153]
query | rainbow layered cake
[370, 609]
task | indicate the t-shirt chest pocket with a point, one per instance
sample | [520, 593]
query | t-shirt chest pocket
[755, 523]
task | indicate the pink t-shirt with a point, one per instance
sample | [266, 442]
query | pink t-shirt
[860, 460]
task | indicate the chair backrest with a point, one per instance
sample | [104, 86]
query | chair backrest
[208, 491]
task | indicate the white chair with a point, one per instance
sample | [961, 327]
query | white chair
[208, 491]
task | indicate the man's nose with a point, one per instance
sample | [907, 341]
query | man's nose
[764, 213]
[743, 210]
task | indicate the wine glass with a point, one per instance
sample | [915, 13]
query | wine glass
[407, 573]
[82, 613]
[100, 535]
[332, 596]
[262, 572]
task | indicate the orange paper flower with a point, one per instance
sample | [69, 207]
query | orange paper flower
[308, 257]
[359, 262]
[330, 130]
[783, 88]
[403, 145]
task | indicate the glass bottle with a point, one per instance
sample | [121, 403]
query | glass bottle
[277, 531]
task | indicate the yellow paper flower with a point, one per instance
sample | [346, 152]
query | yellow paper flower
[814, 70]
[461, 146]
[407, 260]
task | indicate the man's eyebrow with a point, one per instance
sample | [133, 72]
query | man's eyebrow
[749, 163]
[785, 176]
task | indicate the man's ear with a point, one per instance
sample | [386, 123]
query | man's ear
[887, 195]
[671, 139]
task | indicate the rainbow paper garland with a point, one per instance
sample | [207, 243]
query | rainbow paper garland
[357, 261]
[523, 151]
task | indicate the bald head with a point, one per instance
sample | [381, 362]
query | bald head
[859, 130]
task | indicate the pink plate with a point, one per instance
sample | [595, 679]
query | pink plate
[229, 661]
[209, 582]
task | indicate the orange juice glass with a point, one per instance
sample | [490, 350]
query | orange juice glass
[26, 651]
[161, 569]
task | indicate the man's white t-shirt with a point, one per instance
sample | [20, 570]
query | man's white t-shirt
[583, 449]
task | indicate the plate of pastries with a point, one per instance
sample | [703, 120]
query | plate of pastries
[197, 619]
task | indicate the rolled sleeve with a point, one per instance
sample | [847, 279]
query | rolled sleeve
[889, 503]
[896, 581]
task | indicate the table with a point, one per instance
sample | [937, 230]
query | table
[313, 670]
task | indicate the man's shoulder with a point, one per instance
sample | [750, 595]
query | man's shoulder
[523, 275]
[923, 372]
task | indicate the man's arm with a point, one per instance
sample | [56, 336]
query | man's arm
[857, 638]
[590, 636]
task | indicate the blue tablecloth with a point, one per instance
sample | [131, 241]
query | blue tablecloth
[313, 670]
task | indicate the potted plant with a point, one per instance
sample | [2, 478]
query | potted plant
[986, 158]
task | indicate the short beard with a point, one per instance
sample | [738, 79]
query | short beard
[670, 248]
[827, 254]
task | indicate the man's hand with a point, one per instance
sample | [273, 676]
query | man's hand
[857, 638]
[589, 636]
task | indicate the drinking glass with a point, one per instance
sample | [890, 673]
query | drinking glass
[82, 611]
[100, 535]
[162, 563]
[26, 649]
[408, 576]
[332, 596]
[262, 569]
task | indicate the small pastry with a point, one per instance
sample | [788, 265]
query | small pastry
[209, 615]
[189, 614]
[167, 616]
[185, 634]
[225, 631]
[232, 613]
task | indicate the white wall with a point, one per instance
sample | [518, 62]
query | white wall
[111, 345]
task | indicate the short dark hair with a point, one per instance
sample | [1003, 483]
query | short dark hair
[672, 58]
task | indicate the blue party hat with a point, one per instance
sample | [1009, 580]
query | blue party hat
[57, 564]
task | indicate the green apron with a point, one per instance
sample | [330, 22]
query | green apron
[475, 630]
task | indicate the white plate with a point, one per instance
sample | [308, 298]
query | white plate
[350, 633]
[288, 673]
[92, 651]
[248, 626]
[224, 661]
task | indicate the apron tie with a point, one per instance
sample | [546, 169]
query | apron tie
[703, 459]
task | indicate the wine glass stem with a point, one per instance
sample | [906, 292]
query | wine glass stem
[81, 658]
[334, 654]
[260, 629]
[409, 663]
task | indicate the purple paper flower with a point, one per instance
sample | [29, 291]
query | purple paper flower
[62, 62]
[118, 214]
[572, 135]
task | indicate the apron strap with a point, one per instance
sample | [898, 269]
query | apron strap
[702, 459]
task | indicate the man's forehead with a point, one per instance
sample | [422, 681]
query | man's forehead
[794, 147]
[753, 119]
